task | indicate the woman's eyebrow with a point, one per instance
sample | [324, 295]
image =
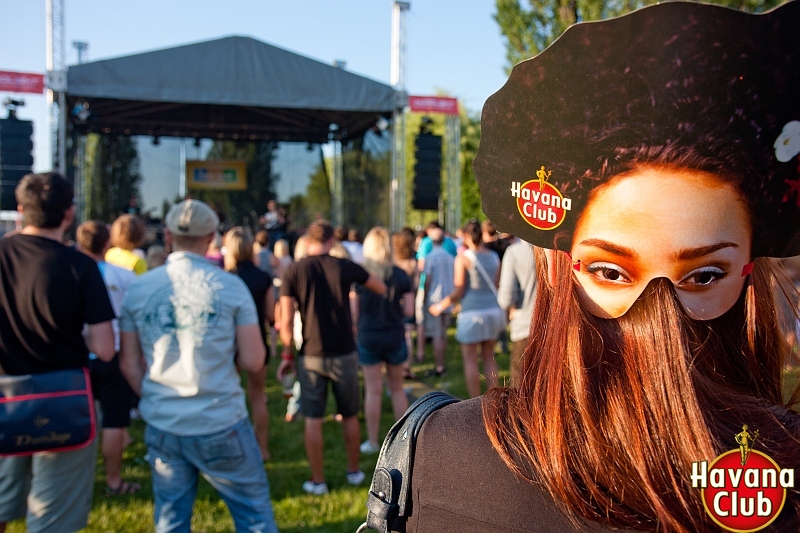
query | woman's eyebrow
[612, 248]
[696, 253]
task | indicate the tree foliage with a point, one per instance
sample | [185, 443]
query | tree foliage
[365, 187]
[244, 207]
[470, 193]
[529, 29]
[112, 175]
[318, 201]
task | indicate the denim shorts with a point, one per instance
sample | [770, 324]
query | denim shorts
[396, 356]
[230, 460]
[315, 372]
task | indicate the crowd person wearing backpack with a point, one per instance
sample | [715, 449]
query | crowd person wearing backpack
[381, 333]
[48, 292]
[480, 321]
[320, 284]
[187, 329]
[656, 337]
[110, 388]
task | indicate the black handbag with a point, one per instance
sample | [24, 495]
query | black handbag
[388, 502]
[53, 411]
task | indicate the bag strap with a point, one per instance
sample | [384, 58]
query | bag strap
[472, 256]
[389, 502]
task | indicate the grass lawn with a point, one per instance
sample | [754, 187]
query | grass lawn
[343, 510]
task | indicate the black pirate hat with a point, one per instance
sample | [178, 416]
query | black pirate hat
[669, 83]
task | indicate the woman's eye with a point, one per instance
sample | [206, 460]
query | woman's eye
[608, 272]
[703, 277]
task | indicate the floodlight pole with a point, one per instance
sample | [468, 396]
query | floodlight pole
[81, 180]
[453, 166]
[338, 182]
[57, 83]
[398, 81]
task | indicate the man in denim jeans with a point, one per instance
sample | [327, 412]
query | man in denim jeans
[185, 329]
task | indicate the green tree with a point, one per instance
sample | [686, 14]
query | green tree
[530, 29]
[298, 211]
[112, 175]
[318, 193]
[470, 140]
[244, 207]
[366, 187]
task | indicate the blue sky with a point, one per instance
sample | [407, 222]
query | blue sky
[453, 45]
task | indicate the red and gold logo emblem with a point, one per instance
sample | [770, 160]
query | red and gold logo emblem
[540, 203]
[743, 490]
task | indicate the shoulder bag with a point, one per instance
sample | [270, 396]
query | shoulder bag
[53, 411]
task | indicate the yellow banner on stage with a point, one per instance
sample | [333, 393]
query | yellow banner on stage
[216, 175]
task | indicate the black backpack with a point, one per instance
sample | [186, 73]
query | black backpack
[388, 503]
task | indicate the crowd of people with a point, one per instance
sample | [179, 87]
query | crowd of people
[167, 332]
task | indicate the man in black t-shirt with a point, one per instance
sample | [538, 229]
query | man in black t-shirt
[47, 293]
[320, 284]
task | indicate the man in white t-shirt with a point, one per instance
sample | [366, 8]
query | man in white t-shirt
[187, 329]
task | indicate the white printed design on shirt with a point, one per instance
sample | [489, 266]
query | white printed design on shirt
[183, 310]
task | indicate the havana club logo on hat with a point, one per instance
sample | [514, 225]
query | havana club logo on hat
[743, 490]
[540, 203]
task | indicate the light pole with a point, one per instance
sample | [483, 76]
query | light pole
[398, 81]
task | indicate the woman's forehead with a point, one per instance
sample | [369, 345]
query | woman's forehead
[679, 209]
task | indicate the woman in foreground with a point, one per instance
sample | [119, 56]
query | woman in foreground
[651, 159]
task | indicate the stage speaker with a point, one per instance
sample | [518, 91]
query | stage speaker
[427, 171]
[16, 157]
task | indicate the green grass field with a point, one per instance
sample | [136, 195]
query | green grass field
[343, 510]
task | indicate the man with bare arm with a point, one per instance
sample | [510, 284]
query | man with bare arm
[320, 284]
[47, 293]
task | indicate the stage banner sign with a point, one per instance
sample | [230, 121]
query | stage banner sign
[21, 82]
[433, 104]
[216, 175]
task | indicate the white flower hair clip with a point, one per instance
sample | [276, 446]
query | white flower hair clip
[787, 145]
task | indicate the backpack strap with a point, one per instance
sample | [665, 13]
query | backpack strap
[389, 502]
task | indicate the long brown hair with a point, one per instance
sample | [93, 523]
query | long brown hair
[610, 414]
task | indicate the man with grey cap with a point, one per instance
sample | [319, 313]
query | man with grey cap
[185, 329]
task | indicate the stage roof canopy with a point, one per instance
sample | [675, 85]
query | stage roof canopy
[229, 88]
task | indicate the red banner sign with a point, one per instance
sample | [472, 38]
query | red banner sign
[433, 104]
[21, 82]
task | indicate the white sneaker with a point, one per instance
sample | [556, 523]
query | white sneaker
[315, 488]
[355, 478]
[368, 448]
